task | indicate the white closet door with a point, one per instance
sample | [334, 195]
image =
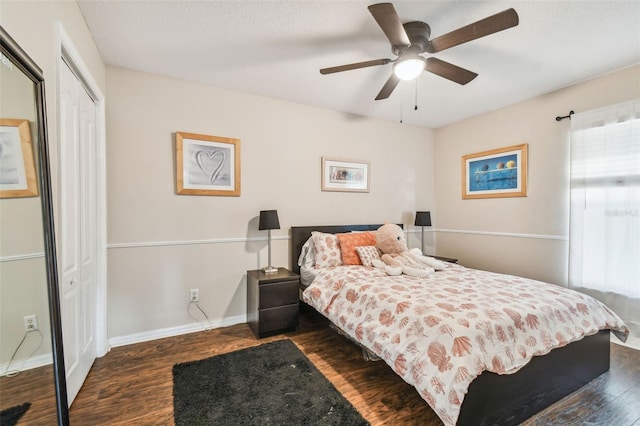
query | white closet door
[77, 229]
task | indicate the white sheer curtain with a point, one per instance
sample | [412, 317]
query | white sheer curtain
[604, 240]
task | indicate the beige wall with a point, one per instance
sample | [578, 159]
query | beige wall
[281, 148]
[543, 215]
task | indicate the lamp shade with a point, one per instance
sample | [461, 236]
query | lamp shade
[423, 219]
[268, 220]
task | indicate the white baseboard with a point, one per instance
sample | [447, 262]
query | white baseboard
[173, 331]
[28, 364]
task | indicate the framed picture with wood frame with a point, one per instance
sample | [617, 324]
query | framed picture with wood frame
[345, 175]
[496, 173]
[207, 165]
[17, 167]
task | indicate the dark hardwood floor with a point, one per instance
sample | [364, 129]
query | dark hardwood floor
[132, 385]
[34, 386]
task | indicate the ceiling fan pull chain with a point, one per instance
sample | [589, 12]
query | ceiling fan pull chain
[400, 112]
[415, 108]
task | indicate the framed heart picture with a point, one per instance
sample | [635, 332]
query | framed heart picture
[207, 165]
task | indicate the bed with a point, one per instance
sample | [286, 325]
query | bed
[491, 398]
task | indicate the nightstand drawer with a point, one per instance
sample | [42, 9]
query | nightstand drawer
[279, 294]
[280, 318]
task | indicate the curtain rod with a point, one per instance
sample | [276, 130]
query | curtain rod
[558, 118]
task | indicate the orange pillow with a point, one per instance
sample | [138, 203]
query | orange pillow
[349, 242]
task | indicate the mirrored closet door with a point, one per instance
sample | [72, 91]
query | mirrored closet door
[32, 385]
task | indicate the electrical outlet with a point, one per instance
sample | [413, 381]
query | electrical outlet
[194, 295]
[30, 323]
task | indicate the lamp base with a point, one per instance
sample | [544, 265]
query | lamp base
[269, 270]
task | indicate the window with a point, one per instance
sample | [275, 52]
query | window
[604, 240]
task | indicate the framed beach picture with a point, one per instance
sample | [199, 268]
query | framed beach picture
[496, 173]
[345, 175]
[17, 167]
[207, 165]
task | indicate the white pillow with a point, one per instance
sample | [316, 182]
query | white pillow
[327, 248]
[307, 254]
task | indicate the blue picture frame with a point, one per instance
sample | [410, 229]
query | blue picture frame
[495, 173]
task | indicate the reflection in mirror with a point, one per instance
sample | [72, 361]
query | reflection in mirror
[28, 366]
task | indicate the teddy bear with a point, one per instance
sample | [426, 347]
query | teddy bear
[397, 258]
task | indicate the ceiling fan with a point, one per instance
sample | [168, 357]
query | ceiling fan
[410, 39]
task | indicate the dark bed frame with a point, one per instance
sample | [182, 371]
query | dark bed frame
[494, 399]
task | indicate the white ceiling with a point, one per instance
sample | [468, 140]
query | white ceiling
[276, 48]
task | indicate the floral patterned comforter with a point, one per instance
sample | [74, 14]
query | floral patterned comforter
[439, 333]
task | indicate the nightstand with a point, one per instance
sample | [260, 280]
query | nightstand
[272, 301]
[446, 259]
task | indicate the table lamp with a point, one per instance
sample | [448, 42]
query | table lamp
[423, 219]
[269, 221]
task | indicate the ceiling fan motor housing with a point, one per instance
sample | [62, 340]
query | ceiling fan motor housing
[418, 33]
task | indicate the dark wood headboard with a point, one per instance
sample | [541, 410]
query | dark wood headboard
[300, 234]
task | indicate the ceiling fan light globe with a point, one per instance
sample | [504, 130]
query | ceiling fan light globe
[408, 69]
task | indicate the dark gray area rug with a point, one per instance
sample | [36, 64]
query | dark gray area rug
[10, 416]
[270, 384]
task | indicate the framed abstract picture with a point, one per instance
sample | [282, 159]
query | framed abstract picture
[496, 173]
[345, 175]
[207, 165]
[17, 167]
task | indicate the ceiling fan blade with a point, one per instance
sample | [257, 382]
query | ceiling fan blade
[388, 87]
[387, 18]
[354, 66]
[484, 27]
[449, 71]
